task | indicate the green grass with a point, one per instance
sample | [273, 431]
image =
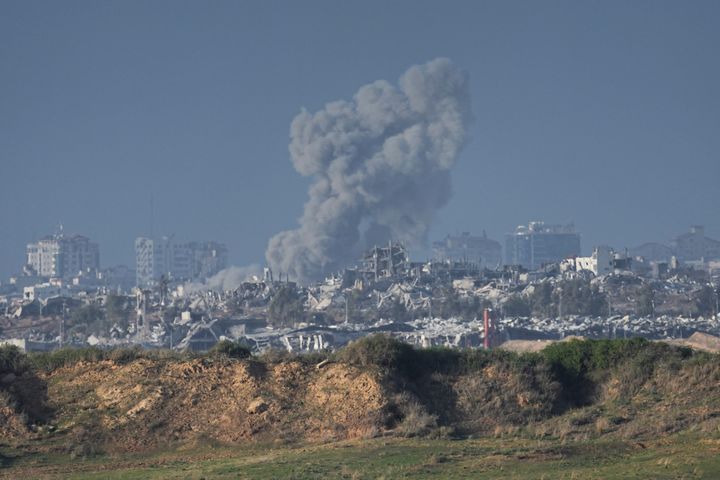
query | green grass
[679, 456]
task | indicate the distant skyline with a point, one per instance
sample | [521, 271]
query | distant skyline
[606, 114]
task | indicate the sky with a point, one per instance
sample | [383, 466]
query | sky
[127, 118]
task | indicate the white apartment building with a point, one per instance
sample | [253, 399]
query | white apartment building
[600, 262]
[604, 260]
[60, 256]
[175, 260]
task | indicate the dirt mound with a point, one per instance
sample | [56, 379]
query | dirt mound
[522, 346]
[146, 403]
[701, 341]
[627, 388]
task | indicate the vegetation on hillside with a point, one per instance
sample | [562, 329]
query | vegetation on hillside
[374, 386]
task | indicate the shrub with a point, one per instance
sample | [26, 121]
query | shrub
[580, 365]
[416, 421]
[123, 356]
[380, 351]
[12, 360]
[66, 357]
[230, 349]
[516, 306]
[383, 351]
[286, 308]
[577, 358]
[312, 358]
[275, 355]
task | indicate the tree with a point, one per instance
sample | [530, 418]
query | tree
[581, 298]
[117, 309]
[89, 318]
[516, 306]
[645, 301]
[542, 302]
[395, 310]
[231, 349]
[705, 301]
[449, 304]
[286, 308]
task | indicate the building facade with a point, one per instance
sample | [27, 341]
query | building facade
[480, 250]
[538, 244]
[208, 258]
[694, 245]
[61, 256]
[179, 261]
[600, 262]
[603, 261]
[652, 252]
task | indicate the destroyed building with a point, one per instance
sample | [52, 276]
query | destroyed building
[438, 302]
[603, 261]
[384, 262]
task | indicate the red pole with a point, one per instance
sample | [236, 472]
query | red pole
[486, 318]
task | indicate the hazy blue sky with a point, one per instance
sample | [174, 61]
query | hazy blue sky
[605, 113]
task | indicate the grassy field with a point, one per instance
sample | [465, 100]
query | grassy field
[675, 457]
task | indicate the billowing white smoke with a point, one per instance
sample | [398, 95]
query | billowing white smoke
[381, 166]
[227, 279]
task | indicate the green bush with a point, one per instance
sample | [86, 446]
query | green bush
[66, 357]
[124, 356]
[312, 358]
[12, 360]
[516, 306]
[275, 355]
[379, 350]
[580, 365]
[286, 308]
[383, 351]
[230, 349]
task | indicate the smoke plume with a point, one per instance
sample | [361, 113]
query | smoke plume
[381, 167]
[227, 279]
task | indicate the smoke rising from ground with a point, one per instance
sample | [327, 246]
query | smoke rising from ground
[381, 167]
[227, 279]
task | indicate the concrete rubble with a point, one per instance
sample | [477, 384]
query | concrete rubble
[432, 303]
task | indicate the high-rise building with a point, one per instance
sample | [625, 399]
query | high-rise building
[177, 261]
[539, 244]
[465, 247]
[61, 256]
[208, 258]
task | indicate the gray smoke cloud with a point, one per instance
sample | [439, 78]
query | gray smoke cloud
[381, 167]
[227, 279]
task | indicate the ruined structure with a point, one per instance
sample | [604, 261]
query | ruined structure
[385, 262]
